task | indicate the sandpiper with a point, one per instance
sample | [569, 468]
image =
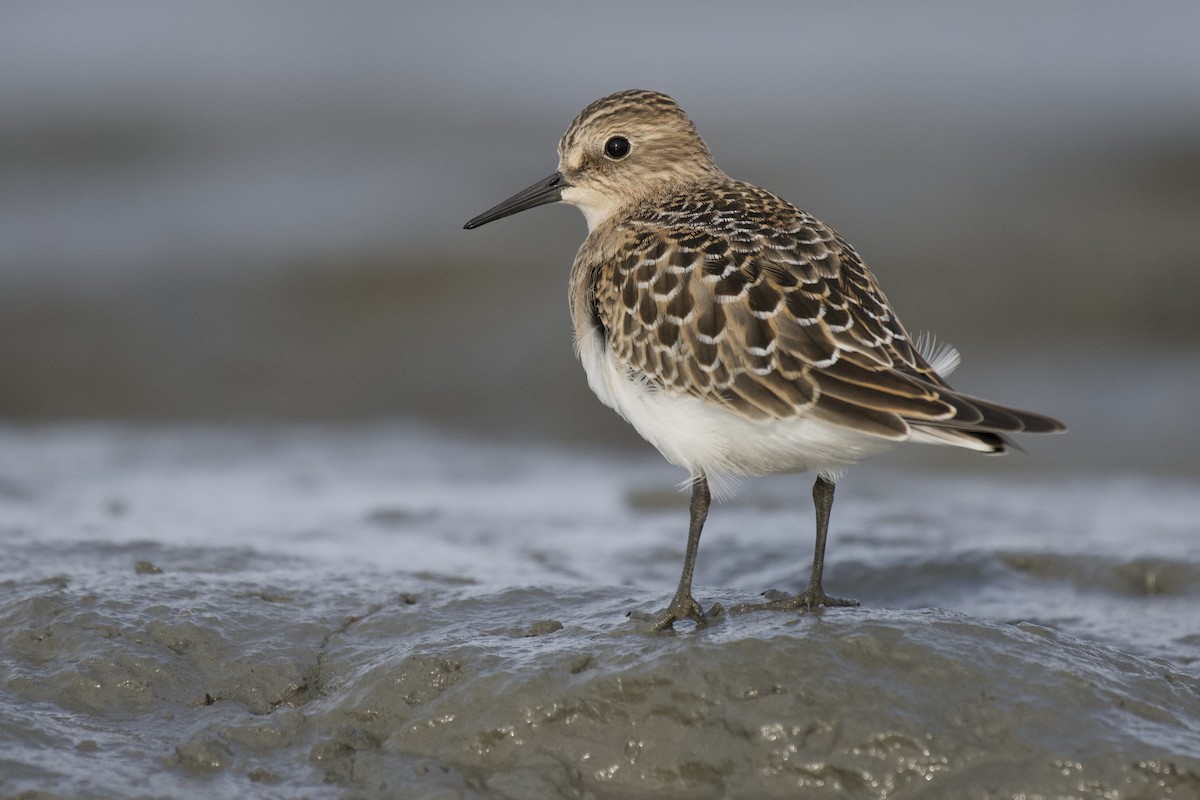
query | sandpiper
[738, 334]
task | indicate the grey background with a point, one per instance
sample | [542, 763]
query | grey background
[231, 212]
[219, 217]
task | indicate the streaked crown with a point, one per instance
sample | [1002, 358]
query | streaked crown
[629, 148]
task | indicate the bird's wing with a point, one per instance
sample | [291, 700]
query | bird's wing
[752, 303]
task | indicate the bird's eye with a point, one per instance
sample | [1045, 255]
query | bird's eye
[616, 148]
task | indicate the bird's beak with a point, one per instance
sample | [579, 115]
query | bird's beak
[547, 190]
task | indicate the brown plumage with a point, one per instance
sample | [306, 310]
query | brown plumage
[737, 333]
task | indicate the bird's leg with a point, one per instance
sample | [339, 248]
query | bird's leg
[683, 605]
[814, 595]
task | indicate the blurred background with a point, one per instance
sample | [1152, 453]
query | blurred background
[232, 212]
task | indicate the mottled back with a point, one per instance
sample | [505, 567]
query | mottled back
[711, 287]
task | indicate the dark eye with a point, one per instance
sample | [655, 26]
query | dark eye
[616, 148]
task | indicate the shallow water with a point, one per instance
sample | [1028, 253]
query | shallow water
[387, 611]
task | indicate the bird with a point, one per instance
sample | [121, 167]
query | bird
[738, 334]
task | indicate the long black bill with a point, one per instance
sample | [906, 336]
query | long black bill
[547, 190]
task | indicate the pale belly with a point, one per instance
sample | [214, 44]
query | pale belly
[707, 439]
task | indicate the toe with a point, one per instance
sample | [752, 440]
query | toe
[681, 608]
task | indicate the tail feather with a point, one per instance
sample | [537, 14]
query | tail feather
[979, 441]
[973, 414]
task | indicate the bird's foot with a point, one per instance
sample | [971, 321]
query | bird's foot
[682, 607]
[808, 600]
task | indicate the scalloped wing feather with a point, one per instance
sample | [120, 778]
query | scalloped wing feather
[731, 294]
